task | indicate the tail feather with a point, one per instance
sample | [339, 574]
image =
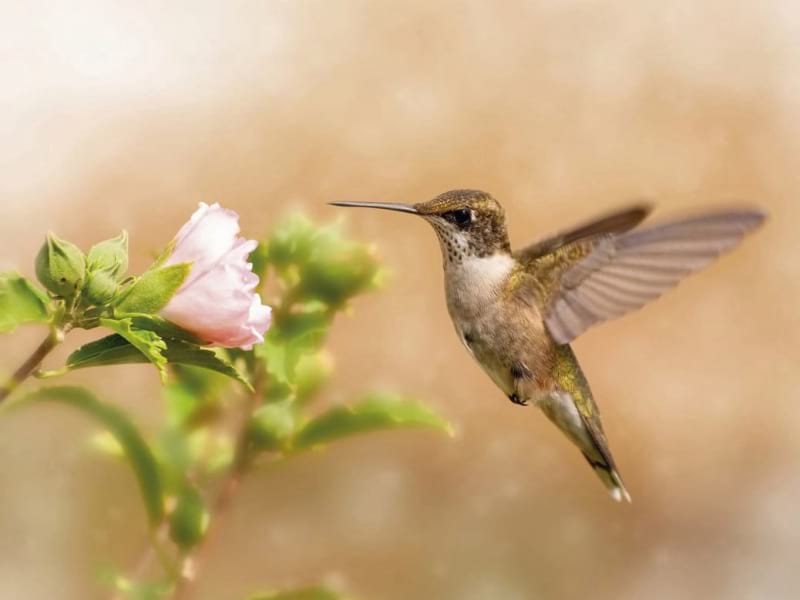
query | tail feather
[572, 408]
[611, 479]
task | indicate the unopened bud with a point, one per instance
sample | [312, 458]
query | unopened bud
[60, 266]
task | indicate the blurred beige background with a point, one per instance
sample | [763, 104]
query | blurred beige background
[117, 116]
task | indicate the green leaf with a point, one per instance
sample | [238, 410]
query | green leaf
[116, 350]
[150, 344]
[151, 292]
[163, 327]
[126, 433]
[20, 302]
[110, 350]
[376, 412]
[314, 593]
[189, 521]
[184, 353]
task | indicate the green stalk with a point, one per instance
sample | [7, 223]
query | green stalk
[32, 363]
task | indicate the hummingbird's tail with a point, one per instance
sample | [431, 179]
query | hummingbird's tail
[610, 477]
[572, 408]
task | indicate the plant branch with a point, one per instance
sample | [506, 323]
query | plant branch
[222, 503]
[27, 368]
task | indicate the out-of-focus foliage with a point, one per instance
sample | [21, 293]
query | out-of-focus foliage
[20, 302]
[317, 593]
[226, 411]
[124, 432]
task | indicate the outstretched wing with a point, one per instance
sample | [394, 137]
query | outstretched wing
[606, 275]
[613, 223]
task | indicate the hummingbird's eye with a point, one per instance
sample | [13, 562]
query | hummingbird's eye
[461, 217]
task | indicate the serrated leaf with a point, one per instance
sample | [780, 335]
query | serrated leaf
[153, 290]
[21, 301]
[189, 521]
[124, 431]
[184, 353]
[150, 344]
[110, 350]
[313, 593]
[376, 412]
[116, 350]
[163, 327]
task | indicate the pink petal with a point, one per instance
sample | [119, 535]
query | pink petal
[205, 239]
[217, 302]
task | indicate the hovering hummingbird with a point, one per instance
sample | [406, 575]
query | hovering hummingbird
[516, 312]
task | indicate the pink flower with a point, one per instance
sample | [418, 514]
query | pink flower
[217, 302]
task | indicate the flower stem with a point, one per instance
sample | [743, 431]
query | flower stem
[27, 368]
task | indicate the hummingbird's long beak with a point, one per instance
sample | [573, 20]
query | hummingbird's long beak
[396, 206]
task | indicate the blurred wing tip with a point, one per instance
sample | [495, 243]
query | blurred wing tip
[642, 206]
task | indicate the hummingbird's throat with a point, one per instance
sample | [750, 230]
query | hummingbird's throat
[455, 245]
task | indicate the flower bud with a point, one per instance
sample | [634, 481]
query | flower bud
[110, 256]
[60, 266]
[101, 287]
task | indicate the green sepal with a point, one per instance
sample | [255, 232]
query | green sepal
[376, 412]
[60, 266]
[153, 290]
[150, 344]
[21, 301]
[116, 350]
[124, 431]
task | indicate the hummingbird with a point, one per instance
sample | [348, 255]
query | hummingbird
[516, 311]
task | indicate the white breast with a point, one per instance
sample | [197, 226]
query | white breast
[473, 283]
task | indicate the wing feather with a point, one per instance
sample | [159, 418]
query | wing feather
[621, 272]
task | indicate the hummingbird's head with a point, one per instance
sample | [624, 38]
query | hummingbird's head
[469, 223]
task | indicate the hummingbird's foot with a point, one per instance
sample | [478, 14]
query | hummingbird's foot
[517, 400]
